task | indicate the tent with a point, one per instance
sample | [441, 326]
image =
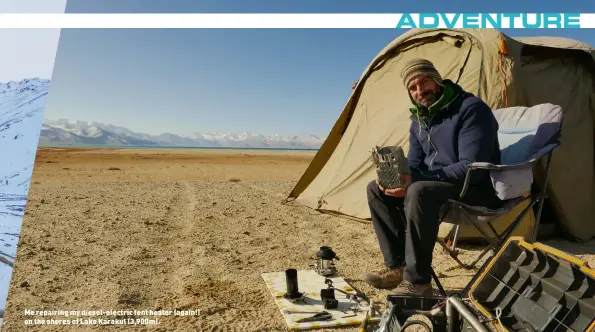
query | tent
[501, 70]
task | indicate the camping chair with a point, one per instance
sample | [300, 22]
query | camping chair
[526, 134]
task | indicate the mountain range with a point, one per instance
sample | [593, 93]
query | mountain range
[66, 132]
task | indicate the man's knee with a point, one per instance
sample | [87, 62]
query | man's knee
[426, 195]
[416, 190]
[419, 194]
[372, 190]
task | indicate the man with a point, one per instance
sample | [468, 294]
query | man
[450, 129]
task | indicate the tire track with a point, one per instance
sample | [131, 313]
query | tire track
[222, 217]
[195, 280]
[145, 263]
[177, 250]
[183, 245]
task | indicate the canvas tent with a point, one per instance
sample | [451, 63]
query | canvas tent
[501, 70]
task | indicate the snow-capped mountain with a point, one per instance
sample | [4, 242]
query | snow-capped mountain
[93, 133]
[22, 105]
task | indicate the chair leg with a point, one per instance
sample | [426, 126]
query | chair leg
[438, 283]
[541, 198]
[492, 244]
[501, 238]
[454, 240]
[454, 255]
[483, 253]
[451, 244]
[483, 232]
[494, 241]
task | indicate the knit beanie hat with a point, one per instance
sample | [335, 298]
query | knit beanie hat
[417, 67]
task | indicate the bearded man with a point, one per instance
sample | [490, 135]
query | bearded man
[450, 129]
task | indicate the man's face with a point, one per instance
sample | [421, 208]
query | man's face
[423, 90]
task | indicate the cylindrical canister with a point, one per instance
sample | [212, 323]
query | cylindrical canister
[292, 284]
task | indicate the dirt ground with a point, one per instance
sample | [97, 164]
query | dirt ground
[180, 229]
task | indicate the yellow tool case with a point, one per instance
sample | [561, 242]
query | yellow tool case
[533, 287]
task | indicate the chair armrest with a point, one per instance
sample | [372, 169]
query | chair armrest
[546, 150]
[493, 168]
[499, 168]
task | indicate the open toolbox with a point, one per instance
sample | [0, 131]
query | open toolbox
[533, 287]
[406, 306]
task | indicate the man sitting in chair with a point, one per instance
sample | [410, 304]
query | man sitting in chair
[450, 129]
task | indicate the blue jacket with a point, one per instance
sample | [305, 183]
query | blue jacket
[462, 130]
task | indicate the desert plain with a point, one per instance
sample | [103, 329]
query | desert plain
[125, 229]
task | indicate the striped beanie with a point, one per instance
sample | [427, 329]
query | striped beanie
[417, 67]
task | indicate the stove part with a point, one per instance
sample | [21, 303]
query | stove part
[292, 285]
[327, 295]
[325, 265]
[390, 161]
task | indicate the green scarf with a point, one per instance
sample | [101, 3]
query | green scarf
[447, 96]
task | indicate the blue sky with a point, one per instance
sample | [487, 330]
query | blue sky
[290, 81]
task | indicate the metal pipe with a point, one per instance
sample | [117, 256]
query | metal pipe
[450, 318]
[459, 306]
[456, 237]
[387, 318]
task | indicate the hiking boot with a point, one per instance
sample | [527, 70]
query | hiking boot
[387, 278]
[407, 288]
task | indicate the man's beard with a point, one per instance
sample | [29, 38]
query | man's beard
[428, 99]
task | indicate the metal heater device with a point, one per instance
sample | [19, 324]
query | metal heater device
[325, 262]
[390, 162]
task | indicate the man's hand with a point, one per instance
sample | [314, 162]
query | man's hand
[398, 192]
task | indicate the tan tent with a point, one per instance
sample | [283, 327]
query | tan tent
[501, 70]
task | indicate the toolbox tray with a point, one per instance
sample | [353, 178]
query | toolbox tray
[407, 306]
[537, 288]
